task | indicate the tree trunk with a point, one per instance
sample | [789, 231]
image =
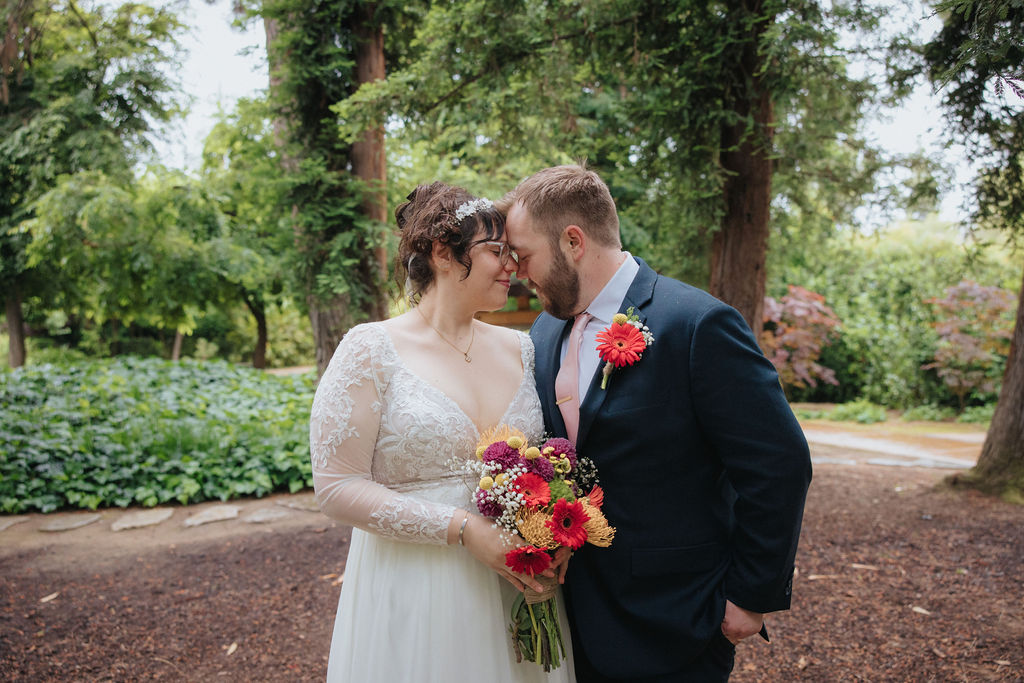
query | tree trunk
[1000, 467]
[330, 320]
[368, 161]
[15, 328]
[331, 317]
[739, 248]
[258, 310]
[176, 349]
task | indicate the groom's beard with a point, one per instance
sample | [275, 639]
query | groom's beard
[560, 291]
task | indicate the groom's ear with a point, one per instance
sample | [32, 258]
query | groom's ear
[574, 241]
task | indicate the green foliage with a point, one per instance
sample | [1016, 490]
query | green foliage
[878, 286]
[928, 412]
[864, 412]
[79, 89]
[978, 414]
[148, 432]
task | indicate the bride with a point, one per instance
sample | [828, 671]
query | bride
[427, 595]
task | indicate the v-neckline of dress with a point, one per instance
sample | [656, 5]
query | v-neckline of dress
[476, 428]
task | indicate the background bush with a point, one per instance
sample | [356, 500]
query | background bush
[135, 431]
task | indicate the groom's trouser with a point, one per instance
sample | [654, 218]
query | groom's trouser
[713, 665]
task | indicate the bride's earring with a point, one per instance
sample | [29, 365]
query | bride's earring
[410, 296]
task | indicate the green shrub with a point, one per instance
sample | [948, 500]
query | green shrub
[978, 414]
[928, 412]
[134, 431]
[861, 411]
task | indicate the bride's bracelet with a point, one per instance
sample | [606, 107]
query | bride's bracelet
[462, 529]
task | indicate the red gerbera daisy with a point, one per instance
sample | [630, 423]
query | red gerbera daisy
[566, 524]
[620, 344]
[527, 559]
[596, 496]
[535, 490]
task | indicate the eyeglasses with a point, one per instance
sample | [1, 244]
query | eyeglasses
[502, 250]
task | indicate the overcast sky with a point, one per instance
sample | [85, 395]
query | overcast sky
[218, 70]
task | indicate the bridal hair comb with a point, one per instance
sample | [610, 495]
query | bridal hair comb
[467, 209]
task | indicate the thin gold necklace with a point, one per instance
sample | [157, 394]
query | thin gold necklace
[472, 336]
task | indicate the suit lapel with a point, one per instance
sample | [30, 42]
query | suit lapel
[637, 296]
[547, 367]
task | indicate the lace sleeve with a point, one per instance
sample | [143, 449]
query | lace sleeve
[343, 427]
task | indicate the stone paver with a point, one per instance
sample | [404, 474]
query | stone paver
[305, 501]
[8, 522]
[265, 515]
[69, 522]
[141, 518]
[217, 513]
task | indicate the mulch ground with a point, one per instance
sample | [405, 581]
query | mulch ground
[898, 581]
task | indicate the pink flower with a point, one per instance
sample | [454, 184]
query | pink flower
[503, 454]
[562, 447]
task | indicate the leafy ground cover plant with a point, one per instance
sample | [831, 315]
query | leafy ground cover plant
[135, 431]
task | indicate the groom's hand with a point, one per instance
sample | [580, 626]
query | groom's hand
[559, 564]
[740, 623]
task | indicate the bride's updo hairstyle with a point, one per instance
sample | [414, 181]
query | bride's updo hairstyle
[440, 213]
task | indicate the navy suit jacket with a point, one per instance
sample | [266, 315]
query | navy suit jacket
[705, 470]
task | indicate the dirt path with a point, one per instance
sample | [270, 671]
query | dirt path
[898, 581]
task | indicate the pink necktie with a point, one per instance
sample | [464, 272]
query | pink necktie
[567, 381]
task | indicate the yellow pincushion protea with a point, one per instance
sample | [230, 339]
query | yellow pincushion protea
[532, 525]
[599, 532]
[499, 433]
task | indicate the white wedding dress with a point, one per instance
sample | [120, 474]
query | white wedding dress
[412, 607]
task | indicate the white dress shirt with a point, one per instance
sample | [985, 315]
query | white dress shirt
[603, 308]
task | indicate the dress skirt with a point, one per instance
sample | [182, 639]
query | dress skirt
[427, 613]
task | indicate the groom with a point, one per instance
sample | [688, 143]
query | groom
[703, 466]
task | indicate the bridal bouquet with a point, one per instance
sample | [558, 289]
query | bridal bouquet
[549, 497]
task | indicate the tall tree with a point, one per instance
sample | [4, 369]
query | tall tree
[975, 59]
[320, 54]
[80, 88]
[677, 103]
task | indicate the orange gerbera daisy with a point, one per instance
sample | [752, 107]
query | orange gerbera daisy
[567, 520]
[620, 344]
[527, 560]
[536, 492]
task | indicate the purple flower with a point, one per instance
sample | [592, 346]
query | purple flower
[486, 504]
[542, 467]
[504, 455]
[562, 447]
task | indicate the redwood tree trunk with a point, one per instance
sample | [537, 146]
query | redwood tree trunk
[1000, 467]
[739, 247]
[15, 328]
[368, 161]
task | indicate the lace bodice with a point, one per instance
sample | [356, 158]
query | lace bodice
[381, 438]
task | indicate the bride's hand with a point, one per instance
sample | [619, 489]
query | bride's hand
[488, 545]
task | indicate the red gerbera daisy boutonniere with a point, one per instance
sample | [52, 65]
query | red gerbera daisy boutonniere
[622, 343]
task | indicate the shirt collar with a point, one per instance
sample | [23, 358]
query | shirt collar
[608, 301]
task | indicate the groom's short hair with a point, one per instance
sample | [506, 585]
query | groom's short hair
[565, 195]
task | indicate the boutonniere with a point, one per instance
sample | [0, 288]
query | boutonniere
[622, 343]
